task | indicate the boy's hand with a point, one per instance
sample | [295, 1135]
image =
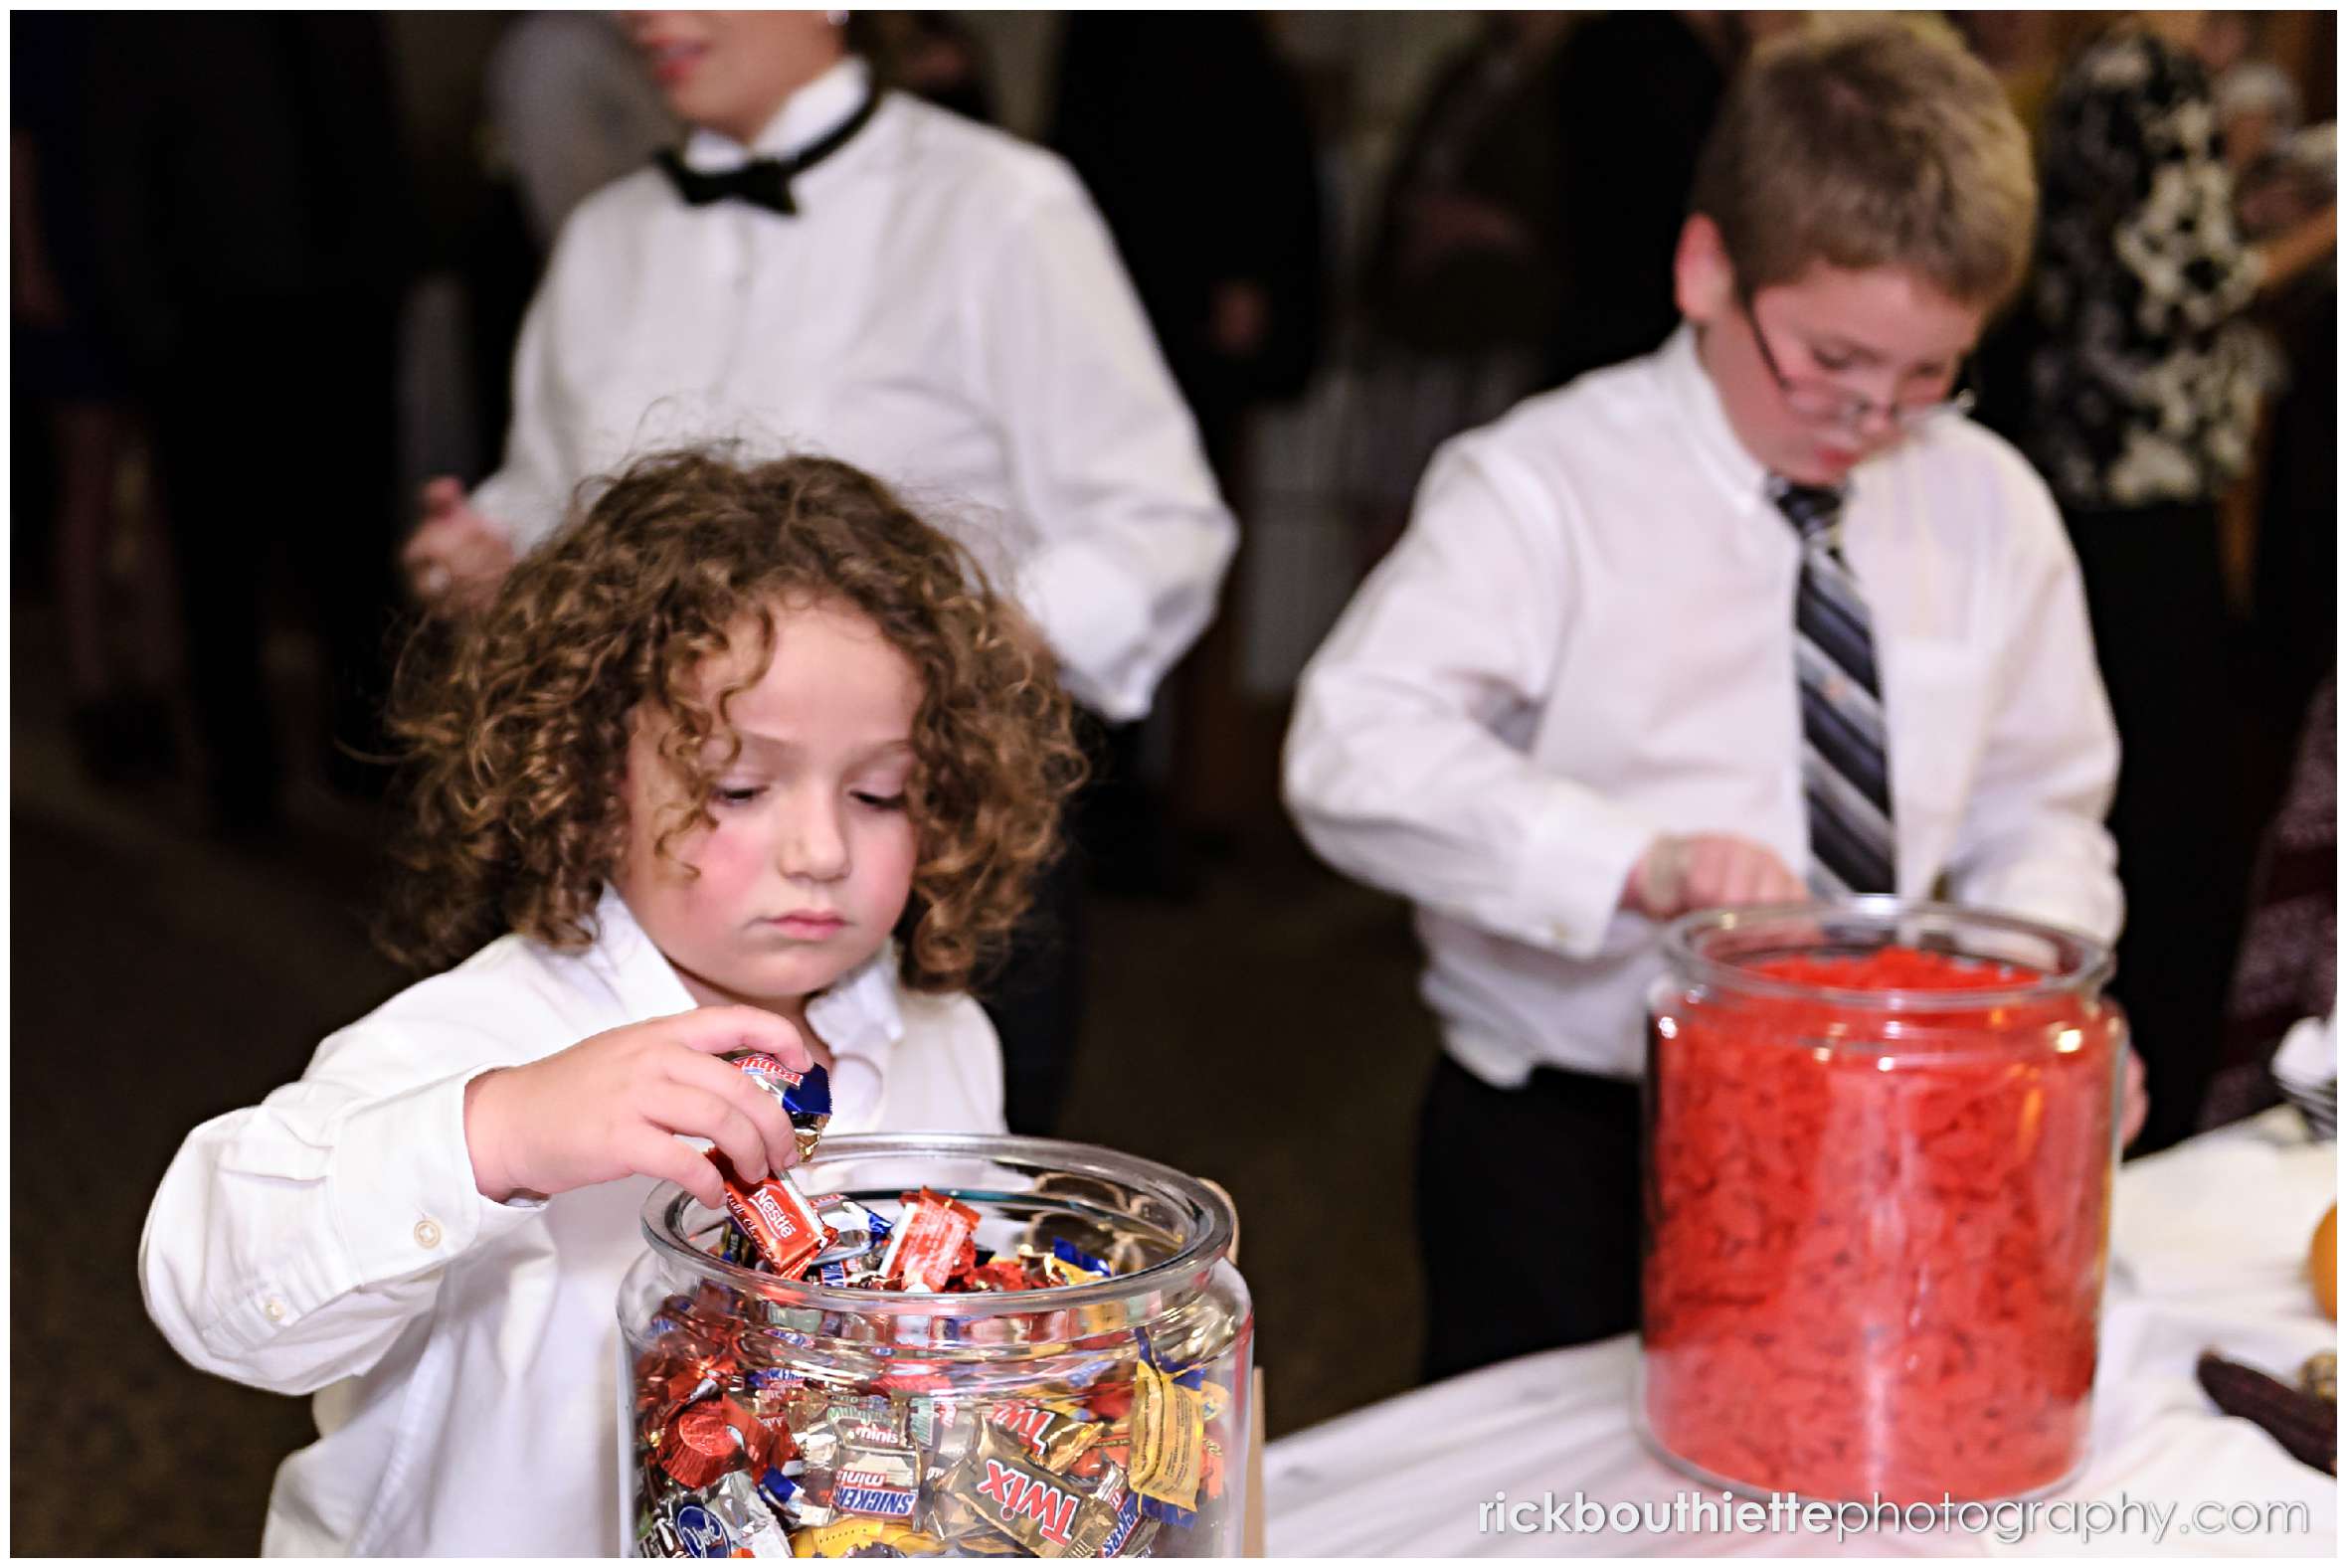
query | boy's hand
[1682, 872]
[610, 1106]
[457, 557]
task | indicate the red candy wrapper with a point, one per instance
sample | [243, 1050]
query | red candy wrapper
[698, 1447]
[931, 1243]
[777, 1218]
[1876, 1239]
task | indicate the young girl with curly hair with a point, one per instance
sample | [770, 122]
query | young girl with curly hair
[749, 756]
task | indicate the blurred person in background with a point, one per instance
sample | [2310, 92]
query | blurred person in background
[1464, 279]
[254, 241]
[2141, 400]
[110, 582]
[858, 274]
[2283, 173]
[2256, 103]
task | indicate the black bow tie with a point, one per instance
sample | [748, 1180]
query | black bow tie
[762, 182]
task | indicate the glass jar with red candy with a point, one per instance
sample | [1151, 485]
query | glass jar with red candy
[1881, 1139]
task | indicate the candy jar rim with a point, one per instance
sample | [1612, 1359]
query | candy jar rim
[1217, 1225]
[2088, 967]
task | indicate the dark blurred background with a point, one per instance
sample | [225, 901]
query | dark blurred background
[265, 273]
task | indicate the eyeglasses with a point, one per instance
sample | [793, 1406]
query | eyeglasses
[1824, 402]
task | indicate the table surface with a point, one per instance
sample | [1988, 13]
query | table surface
[2208, 1250]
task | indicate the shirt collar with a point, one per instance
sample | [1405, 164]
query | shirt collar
[642, 976]
[858, 1014]
[1705, 419]
[807, 116]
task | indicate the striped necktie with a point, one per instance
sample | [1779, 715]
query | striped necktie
[1845, 755]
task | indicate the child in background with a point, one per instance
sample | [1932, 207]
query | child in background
[749, 757]
[1757, 613]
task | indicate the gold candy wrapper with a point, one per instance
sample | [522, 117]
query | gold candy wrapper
[848, 1537]
[1168, 1437]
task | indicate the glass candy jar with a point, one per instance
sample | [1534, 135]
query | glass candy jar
[762, 1414]
[1880, 1145]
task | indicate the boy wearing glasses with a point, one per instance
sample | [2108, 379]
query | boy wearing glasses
[1757, 615]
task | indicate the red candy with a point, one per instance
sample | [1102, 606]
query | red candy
[932, 1244]
[777, 1218]
[1877, 1233]
[698, 1447]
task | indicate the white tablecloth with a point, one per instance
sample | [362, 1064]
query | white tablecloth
[2208, 1250]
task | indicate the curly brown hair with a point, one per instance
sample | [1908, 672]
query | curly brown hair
[514, 728]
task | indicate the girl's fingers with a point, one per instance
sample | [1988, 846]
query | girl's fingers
[684, 1108]
[719, 1030]
[655, 1154]
[739, 1089]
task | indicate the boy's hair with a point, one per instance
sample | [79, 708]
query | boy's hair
[1870, 146]
[516, 731]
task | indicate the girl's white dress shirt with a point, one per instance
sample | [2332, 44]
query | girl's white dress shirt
[465, 1354]
[946, 311]
[1585, 640]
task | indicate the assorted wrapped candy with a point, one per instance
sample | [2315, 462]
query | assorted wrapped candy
[1877, 1224]
[764, 1430]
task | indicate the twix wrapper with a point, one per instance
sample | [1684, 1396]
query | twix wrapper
[1053, 1438]
[1015, 1495]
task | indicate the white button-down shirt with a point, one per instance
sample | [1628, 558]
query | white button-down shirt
[946, 311]
[465, 1354]
[1585, 640]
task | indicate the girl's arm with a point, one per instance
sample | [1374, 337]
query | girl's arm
[293, 1241]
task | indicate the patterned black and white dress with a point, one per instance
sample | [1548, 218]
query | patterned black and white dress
[2143, 376]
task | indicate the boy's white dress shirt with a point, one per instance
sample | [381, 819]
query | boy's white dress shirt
[465, 1354]
[946, 311]
[1585, 638]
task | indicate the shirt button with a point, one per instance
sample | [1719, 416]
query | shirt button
[428, 1233]
[274, 1309]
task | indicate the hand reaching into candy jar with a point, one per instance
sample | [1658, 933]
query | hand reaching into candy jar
[613, 1105]
[1680, 873]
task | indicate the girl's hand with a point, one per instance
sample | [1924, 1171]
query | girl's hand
[610, 1106]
